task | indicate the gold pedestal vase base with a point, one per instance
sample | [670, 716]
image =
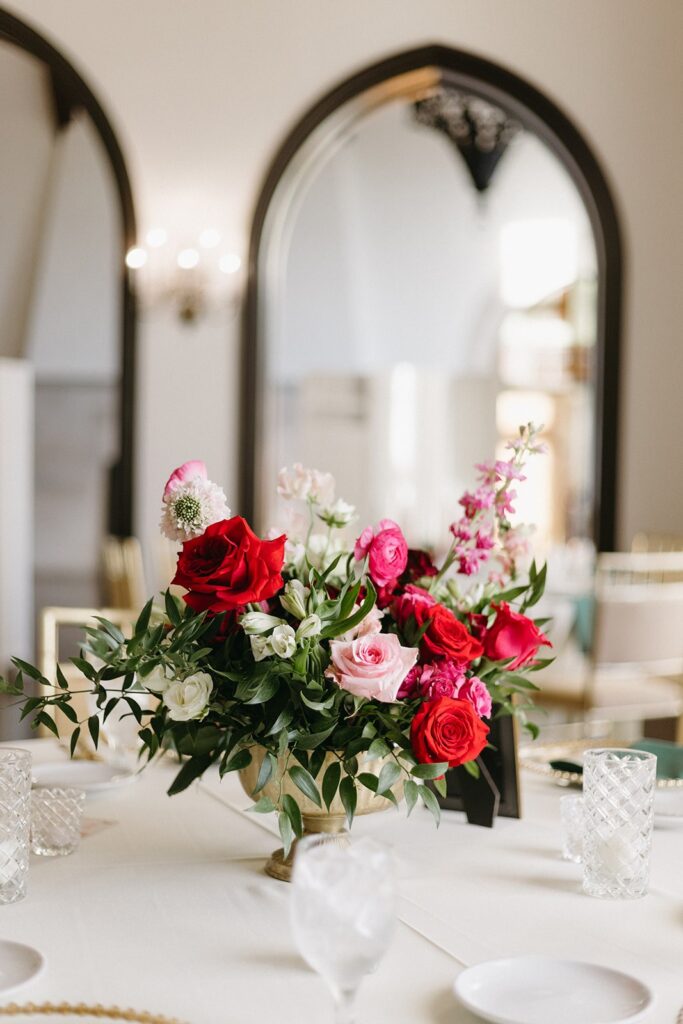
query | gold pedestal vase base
[331, 830]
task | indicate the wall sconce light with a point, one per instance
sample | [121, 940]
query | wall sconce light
[195, 279]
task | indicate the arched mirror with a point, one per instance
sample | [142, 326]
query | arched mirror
[67, 343]
[435, 259]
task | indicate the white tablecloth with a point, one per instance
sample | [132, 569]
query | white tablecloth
[169, 910]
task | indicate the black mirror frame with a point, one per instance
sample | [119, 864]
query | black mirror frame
[71, 92]
[557, 130]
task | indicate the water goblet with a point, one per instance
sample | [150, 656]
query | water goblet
[343, 911]
[15, 791]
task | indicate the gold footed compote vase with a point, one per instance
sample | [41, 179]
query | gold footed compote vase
[316, 820]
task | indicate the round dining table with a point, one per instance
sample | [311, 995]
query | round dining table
[165, 907]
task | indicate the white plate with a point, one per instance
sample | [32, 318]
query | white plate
[92, 776]
[543, 990]
[669, 808]
[18, 965]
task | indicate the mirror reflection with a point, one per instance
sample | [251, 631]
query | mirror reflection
[433, 285]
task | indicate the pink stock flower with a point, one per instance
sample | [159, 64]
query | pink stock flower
[386, 551]
[504, 501]
[478, 501]
[371, 666]
[195, 469]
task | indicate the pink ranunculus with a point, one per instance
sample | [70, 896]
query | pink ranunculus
[371, 666]
[192, 470]
[386, 551]
[476, 692]
[440, 679]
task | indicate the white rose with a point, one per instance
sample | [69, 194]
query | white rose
[310, 626]
[338, 515]
[258, 622]
[187, 699]
[260, 647]
[294, 599]
[283, 641]
[159, 679]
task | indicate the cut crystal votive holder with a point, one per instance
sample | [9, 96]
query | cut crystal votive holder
[15, 793]
[618, 788]
[56, 816]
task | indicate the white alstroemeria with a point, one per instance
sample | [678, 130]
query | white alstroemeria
[299, 483]
[260, 647]
[283, 641]
[339, 514]
[254, 623]
[188, 699]
[294, 599]
[310, 626]
[159, 679]
[190, 506]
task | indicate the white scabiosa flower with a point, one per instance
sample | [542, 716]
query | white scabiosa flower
[283, 641]
[260, 647]
[310, 626]
[191, 502]
[188, 699]
[254, 623]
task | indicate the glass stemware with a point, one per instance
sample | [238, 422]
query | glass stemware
[343, 911]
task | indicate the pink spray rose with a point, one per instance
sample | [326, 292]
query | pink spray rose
[386, 551]
[371, 666]
[476, 692]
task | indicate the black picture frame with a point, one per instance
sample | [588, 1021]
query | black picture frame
[497, 791]
[546, 119]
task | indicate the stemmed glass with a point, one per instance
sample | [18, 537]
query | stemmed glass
[343, 911]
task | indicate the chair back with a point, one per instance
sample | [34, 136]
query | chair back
[639, 611]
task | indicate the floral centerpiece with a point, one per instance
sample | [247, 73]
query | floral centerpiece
[334, 674]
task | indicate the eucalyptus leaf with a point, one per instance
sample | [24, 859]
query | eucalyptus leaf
[303, 780]
[331, 783]
[389, 775]
[291, 808]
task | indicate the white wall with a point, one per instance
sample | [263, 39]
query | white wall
[201, 93]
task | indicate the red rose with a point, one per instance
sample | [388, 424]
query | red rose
[513, 635]
[447, 729]
[229, 566]
[419, 565]
[445, 637]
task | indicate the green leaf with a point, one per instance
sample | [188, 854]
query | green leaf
[113, 631]
[368, 780]
[75, 736]
[283, 740]
[280, 724]
[263, 806]
[316, 761]
[172, 610]
[68, 711]
[331, 783]
[441, 786]
[88, 670]
[143, 618]
[532, 729]
[379, 748]
[430, 802]
[268, 766]
[429, 771]
[349, 797]
[291, 807]
[472, 768]
[343, 625]
[314, 739]
[62, 681]
[238, 761]
[44, 719]
[190, 771]
[303, 780]
[30, 705]
[389, 774]
[286, 832]
[94, 729]
[410, 790]
[30, 670]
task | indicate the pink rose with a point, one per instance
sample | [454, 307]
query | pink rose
[386, 551]
[188, 471]
[476, 692]
[371, 666]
